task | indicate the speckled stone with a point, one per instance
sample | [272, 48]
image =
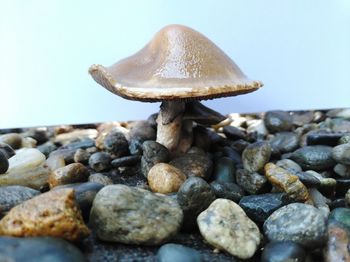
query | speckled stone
[72, 173]
[34, 249]
[153, 153]
[230, 191]
[341, 154]
[225, 226]
[155, 218]
[301, 223]
[253, 183]
[194, 196]
[224, 170]
[283, 251]
[100, 161]
[278, 121]
[255, 156]
[115, 143]
[314, 157]
[284, 142]
[260, 207]
[100, 178]
[175, 253]
[286, 181]
[164, 178]
[194, 165]
[50, 214]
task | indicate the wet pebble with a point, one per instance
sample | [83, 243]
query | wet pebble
[284, 142]
[232, 132]
[289, 165]
[230, 191]
[253, 183]
[314, 157]
[100, 161]
[72, 173]
[301, 223]
[153, 153]
[282, 251]
[323, 138]
[278, 121]
[225, 226]
[255, 156]
[175, 253]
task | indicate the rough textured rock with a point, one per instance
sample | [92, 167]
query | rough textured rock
[153, 153]
[255, 156]
[100, 161]
[176, 253]
[72, 173]
[253, 183]
[164, 178]
[225, 226]
[134, 216]
[314, 157]
[301, 223]
[116, 144]
[54, 213]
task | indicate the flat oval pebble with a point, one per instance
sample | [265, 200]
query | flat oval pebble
[283, 251]
[323, 138]
[284, 142]
[194, 196]
[301, 223]
[53, 213]
[253, 183]
[230, 191]
[224, 170]
[155, 218]
[255, 156]
[72, 173]
[100, 161]
[341, 154]
[232, 132]
[278, 121]
[175, 253]
[314, 157]
[289, 165]
[225, 226]
[36, 249]
[164, 178]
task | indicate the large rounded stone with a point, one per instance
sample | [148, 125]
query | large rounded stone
[134, 216]
[164, 178]
[255, 156]
[314, 157]
[301, 223]
[225, 226]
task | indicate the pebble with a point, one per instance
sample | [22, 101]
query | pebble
[155, 218]
[347, 198]
[77, 134]
[301, 223]
[28, 142]
[36, 249]
[289, 165]
[153, 153]
[164, 178]
[100, 178]
[135, 146]
[7, 150]
[302, 118]
[323, 138]
[319, 201]
[225, 226]
[309, 179]
[81, 156]
[255, 156]
[278, 121]
[344, 139]
[26, 158]
[116, 144]
[314, 157]
[52, 214]
[224, 170]
[342, 113]
[194, 196]
[259, 207]
[253, 183]
[55, 162]
[47, 148]
[232, 154]
[126, 161]
[11, 196]
[338, 228]
[81, 144]
[283, 251]
[257, 126]
[14, 140]
[342, 170]
[284, 142]
[230, 191]
[100, 161]
[194, 165]
[233, 133]
[289, 183]
[341, 154]
[175, 253]
[143, 131]
[72, 173]
[66, 154]
[4, 163]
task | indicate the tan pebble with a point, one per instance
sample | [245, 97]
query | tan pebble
[71, 173]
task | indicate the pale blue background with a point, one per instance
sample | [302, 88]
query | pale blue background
[300, 49]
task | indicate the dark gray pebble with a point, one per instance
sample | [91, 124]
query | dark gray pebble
[253, 183]
[278, 121]
[323, 138]
[126, 161]
[4, 163]
[176, 253]
[100, 161]
[233, 133]
[314, 157]
[153, 153]
[282, 251]
[224, 170]
[284, 142]
[115, 143]
[227, 190]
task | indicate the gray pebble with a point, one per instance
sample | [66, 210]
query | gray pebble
[100, 161]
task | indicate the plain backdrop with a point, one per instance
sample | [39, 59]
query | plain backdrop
[300, 49]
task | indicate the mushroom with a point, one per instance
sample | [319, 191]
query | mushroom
[178, 67]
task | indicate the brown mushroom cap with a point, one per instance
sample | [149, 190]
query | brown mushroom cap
[179, 63]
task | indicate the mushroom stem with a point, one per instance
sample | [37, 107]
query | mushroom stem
[169, 123]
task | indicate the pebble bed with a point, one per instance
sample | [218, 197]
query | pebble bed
[264, 187]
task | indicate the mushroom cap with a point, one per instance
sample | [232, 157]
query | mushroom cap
[179, 63]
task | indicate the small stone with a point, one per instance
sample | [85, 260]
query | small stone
[7, 150]
[232, 154]
[126, 161]
[319, 201]
[253, 183]
[194, 165]
[135, 146]
[81, 156]
[26, 158]
[341, 154]
[47, 148]
[342, 185]
[69, 174]
[309, 179]
[314, 157]
[28, 142]
[116, 144]
[257, 126]
[153, 153]
[342, 170]
[278, 121]
[76, 134]
[282, 251]
[100, 178]
[323, 138]
[194, 196]
[66, 154]
[35, 249]
[175, 253]
[164, 178]
[259, 207]
[54, 162]
[14, 140]
[284, 142]
[224, 170]
[50, 214]
[255, 156]
[100, 161]
[230, 191]
[301, 223]
[233, 133]
[81, 144]
[225, 226]
[286, 181]
[302, 117]
[143, 130]
[11, 196]
[155, 218]
[289, 165]
[4, 163]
